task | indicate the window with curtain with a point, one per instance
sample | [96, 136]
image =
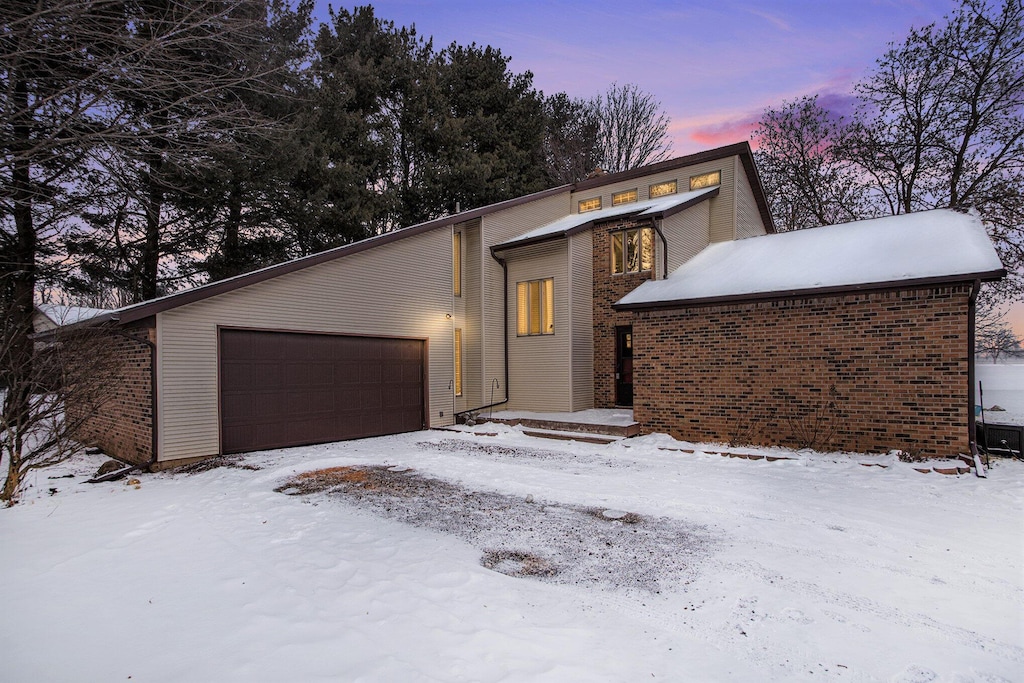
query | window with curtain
[535, 307]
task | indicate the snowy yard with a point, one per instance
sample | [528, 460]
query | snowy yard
[603, 563]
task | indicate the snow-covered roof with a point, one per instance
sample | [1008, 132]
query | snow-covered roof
[650, 207]
[68, 315]
[942, 243]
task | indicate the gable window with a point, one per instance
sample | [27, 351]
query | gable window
[699, 182]
[535, 307]
[632, 250]
[663, 189]
[624, 197]
[457, 263]
[458, 361]
[592, 204]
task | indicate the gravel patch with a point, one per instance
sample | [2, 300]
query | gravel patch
[524, 537]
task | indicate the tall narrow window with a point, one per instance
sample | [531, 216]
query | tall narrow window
[535, 307]
[458, 361]
[457, 263]
[632, 250]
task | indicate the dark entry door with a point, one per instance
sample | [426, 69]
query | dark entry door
[282, 389]
[624, 366]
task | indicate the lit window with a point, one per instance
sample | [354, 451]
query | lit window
[699, 182]
[632, 250]
[589, 204]
[458, 361]
[535, 307]
[457, 264]
[624, 197]
[662, 189]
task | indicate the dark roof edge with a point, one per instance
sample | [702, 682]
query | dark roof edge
[740, 149]
[890, 285]
[687, 204]
[188, 296]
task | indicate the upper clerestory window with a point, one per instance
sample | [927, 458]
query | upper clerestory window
[663, 189]
[699, 182]
[624, 197]
[592, 204]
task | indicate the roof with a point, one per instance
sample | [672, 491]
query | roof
[149, 308]
[575, 222]
[942, 245]
[69, 315]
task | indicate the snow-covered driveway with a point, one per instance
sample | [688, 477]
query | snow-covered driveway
[815, 568]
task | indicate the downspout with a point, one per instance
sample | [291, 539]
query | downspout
[504, 272]
[972, 432]
[664, 251]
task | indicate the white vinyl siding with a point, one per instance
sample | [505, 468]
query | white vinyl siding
[499, 227]
[539, 367]
[468, 316]
[384, 291]
[748, 217]
[581, 315]
[686, 233]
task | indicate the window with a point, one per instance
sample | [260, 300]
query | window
[592, 204]
[535, 307]
[458, 361]
[662, 189]
[624, 197]
[699, 182]
[457, 264]
[632, 250]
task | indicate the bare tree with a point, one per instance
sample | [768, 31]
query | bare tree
[801, 150]
[939, 123]
[633, 130]
[68, 381]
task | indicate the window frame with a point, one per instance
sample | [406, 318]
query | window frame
[457, 263]
[458, 361]
[535, 307]
[710, 174]
[625, 197]
[621, 238]
[653, 194]
[581, 202]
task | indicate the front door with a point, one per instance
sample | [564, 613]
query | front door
[624, 366]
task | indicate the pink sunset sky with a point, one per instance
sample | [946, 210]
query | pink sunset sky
[714, 65]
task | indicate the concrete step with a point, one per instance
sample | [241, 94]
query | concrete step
[621, 431]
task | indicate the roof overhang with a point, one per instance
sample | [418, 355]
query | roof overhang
[814, 292]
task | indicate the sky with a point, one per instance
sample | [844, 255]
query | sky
[714, 65]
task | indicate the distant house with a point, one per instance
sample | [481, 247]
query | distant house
[662, 288]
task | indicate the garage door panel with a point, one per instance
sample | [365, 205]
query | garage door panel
[287, 389]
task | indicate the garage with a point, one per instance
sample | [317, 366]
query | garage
[280, 389]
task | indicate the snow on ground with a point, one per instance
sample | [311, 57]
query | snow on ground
[815, 568]
[1003, 385]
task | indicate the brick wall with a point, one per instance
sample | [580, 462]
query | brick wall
[608, 289]
[123, 426]
[865, 372]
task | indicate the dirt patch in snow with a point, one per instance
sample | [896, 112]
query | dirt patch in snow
[216, 463]
[522, 536]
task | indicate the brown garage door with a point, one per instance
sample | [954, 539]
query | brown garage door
[289, 389]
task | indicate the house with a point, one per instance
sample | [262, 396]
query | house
[550, 302]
